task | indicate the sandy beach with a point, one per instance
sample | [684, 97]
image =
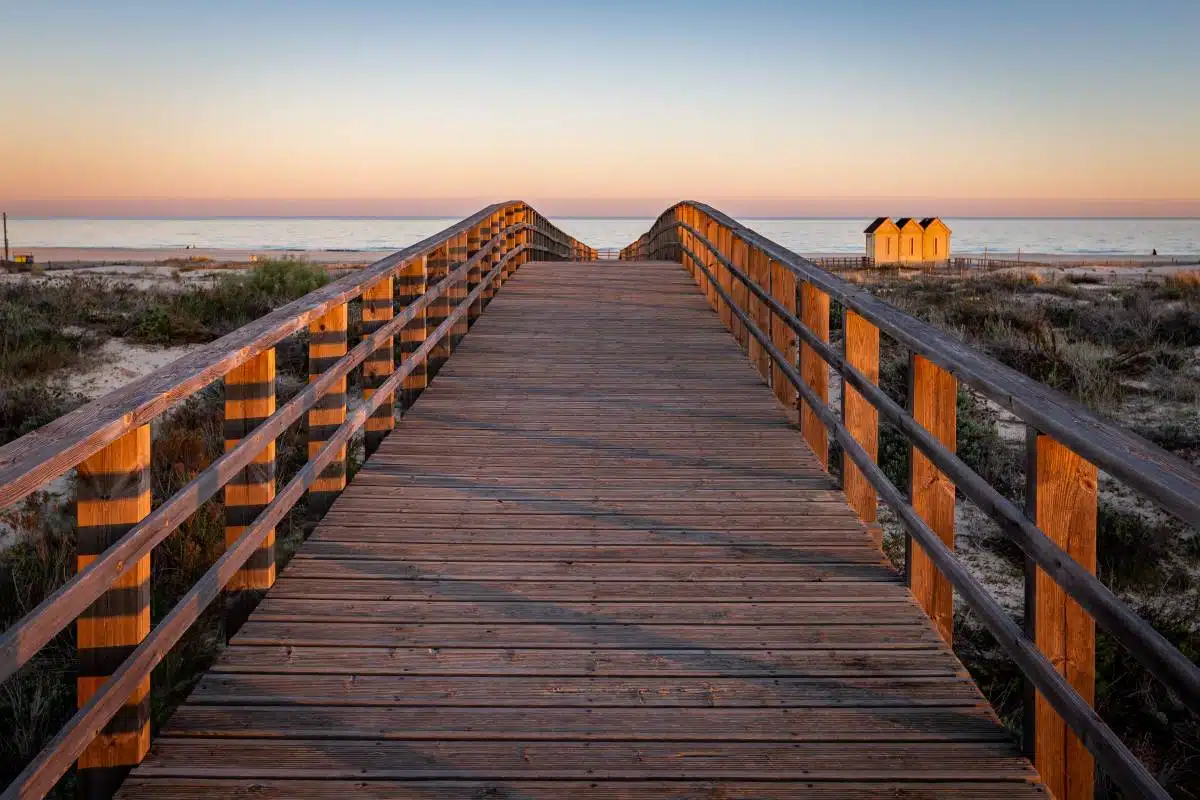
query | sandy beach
[200, 257]
[66, 257]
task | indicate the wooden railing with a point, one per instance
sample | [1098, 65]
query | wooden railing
[444, 284]
[754, 284]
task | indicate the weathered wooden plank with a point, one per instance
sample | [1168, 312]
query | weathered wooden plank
[837, 531]
[631, 661]
[583, 521]
[376, 760]
[303, 566]
[391, 588]
[454, 723]
[807, 553]
[285, 789]
[423, 611]
[220, 688]
[594, 635]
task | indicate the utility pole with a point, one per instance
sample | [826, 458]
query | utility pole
[6, 237]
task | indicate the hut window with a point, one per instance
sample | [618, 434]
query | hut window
[935, 252]
[912, 246]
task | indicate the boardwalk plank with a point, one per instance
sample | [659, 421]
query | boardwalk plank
[595, 560]
[283, 789]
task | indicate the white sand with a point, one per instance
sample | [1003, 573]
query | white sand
[117, 363]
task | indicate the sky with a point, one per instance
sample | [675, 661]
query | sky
[388, 107]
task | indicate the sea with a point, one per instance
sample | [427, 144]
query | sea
[1060, 236]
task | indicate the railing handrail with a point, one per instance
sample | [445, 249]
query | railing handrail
[1164, 478]
[25, 638]
[30, 633]
[52, 450]
[1162, 659]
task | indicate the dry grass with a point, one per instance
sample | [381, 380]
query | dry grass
[1184, 280]
[41, 697]
[1133, 352]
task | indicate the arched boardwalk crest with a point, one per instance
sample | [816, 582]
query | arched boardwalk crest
[595, 559]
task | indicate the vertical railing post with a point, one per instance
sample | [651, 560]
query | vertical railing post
[523, 237]
[933, 398]
[510, 242]
[326, 344]
[494, 257]
[458, 290]
[1062, 500]
[377, 309]
[783, 289]
[688, 241]
[861, 340]
[476, 238]
[113, 494]
[757, 270]
[410, 284]
[701, 250]
[249, 400]
[814, 313]
[722, 241]
[739, 255]
[437, 311]
[710, 259]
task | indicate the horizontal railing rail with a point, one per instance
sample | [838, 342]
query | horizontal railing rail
[755, 312]
[50, 451]
[485, 250]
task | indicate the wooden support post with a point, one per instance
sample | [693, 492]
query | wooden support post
[458, 291]
[688, 242]
[712, 234]
[249, 400]
[326, 344]
[861, 418]
[113, 494]
[1062, 501]
[377, 309]
[814, 313]
[723, 242]
[494, 258]
[437, 311]
[701, 255]
[740, 256]
[510, 242]
[476, 238]
[410, 285]
[760, 311]
[933, 402]
[522, 216]
[783, 289]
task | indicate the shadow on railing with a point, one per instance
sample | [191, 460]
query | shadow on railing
[445, 282]
[753, 283]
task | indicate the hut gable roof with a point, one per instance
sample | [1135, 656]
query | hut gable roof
[904, 222]
[930, 222]
[878, 223]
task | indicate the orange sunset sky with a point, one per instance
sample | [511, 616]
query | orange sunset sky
[393, 108]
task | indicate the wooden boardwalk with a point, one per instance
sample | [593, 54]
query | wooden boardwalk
[594, 561]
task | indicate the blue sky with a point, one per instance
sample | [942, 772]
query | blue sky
[603, 104]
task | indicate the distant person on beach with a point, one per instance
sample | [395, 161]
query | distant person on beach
[1154, 251]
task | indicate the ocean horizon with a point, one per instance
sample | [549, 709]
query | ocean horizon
[1131, 236]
